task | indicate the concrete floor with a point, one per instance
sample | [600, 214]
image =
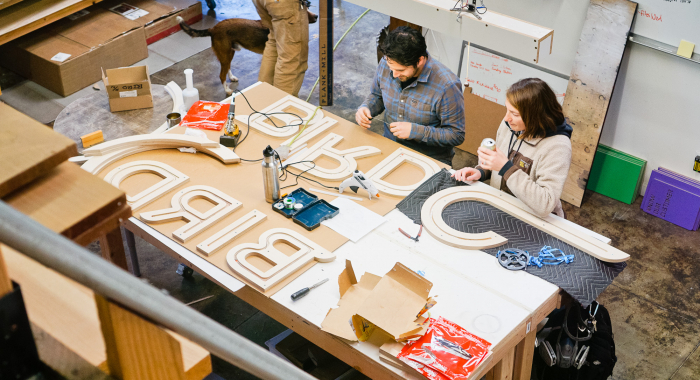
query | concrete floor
[654, 304]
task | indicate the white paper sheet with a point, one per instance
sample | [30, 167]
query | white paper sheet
[353, 221]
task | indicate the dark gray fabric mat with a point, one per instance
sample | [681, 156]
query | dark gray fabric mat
[583, 279]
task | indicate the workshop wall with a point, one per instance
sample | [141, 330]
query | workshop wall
[650, 114]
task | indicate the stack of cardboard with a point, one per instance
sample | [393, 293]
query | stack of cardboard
[674, 198]
[69, 55]
[616, 174]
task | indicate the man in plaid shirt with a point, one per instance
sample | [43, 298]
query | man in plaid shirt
[423, 99]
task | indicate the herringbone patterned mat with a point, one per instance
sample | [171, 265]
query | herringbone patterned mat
[583, 279]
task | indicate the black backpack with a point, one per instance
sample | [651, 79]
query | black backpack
[586, 352]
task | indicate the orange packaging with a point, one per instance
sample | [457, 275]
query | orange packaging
[446, 351]
[206, 115]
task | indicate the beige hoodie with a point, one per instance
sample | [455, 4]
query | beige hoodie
[539, 170]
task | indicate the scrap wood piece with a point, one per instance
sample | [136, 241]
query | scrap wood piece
[394, 161]
[345, 158]
[277, 109]
[431, 217]
[28, 150]
[282, 265]
[161, 140]
[196, 221]
[171, 178]
[231, 232]
[96, 164]
[590, 88]
[92, 138]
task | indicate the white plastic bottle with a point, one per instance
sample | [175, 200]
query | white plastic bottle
[190, 95]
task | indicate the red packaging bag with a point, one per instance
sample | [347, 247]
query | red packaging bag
[448, 349]
[206, 115]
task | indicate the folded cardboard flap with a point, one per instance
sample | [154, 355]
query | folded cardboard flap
[390, 303]
[352, 293]
[128, 88]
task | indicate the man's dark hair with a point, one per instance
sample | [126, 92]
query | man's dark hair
[405, 46]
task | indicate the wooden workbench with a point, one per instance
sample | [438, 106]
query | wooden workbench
[473, 290]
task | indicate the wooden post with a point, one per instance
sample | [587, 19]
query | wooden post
[325, 51]
[593, 77]
[138, 349]
[5, 281]
[524, 353]
[503, 370]
[112, 247]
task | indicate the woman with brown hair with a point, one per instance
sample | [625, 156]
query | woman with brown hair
[536, 140]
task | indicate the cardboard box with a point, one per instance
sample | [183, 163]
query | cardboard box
[69, 54]
[482, 119]
[128, 88]
[160, 20]
[388, 304]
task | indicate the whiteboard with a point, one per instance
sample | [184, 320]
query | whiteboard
[490, 75]
[668, 21]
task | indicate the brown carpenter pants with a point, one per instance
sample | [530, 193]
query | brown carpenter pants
[285, 59]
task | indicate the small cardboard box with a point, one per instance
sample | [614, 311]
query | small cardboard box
[389, 304]
[67, 56]
[128, 88]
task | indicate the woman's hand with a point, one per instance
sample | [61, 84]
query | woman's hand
[467, 174]
[491, 160]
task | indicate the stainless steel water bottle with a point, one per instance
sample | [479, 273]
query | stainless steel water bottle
[271, 181]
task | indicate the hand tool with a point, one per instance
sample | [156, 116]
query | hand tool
[231, 132]
[306, 291]
[358, 180]
[409, 236]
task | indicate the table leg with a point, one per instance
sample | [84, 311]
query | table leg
[112, 247]
[131, 245]
[524, 352]
[503, 370]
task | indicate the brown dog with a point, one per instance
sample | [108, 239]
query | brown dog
[229, 36]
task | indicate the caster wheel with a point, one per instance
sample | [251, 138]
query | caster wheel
[211, 4]
[184, 271]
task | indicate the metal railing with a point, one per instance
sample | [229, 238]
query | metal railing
[62, 255]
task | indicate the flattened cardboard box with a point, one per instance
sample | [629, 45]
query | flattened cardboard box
[128, 88]
[389, 304]
[482, 119]
[67, 55]
[161, 20]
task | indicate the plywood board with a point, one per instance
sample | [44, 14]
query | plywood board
[29, 149]
[68, 200]
[593, 77]
[244, 181]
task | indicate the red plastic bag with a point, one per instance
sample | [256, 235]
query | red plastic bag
[206, 115]
[447, 349]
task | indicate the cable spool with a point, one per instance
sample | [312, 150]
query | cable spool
[289, 203]
[513, 259]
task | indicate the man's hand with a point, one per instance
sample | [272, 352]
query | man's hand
[467, 174]
[491, 160]
[400, 129]
[363, 117]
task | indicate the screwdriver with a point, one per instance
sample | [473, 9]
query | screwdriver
[306, 291]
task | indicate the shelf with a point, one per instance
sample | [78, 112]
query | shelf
[30, 15]
[499, 32]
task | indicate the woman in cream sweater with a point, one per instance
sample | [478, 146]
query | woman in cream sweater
[533, 149]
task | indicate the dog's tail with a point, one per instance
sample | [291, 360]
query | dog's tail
[192, 32]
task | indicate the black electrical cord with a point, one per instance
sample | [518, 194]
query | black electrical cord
[300, 175]
[266, 115]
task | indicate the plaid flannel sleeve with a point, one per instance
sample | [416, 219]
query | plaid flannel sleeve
[375, 101]
[450, 110]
